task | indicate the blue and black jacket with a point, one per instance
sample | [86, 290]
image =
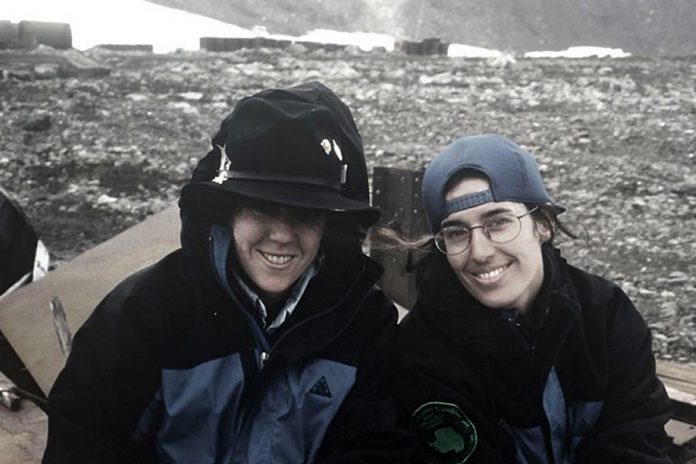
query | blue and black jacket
[571, 381]
[172, 368]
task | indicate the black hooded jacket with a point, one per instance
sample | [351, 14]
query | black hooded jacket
[573, 380]
[172, 367]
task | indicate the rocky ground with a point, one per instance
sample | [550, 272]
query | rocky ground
[616, 140]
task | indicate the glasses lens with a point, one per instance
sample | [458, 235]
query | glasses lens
[502, 227]
[452, 240]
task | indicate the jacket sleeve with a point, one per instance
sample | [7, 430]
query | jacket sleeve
[430, 383]
[109, 378]
[364, 429]
[630, 427]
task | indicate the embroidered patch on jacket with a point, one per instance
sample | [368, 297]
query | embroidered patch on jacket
[321, 388]
[447, 435]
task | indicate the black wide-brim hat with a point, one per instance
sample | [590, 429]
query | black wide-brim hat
[297, 147]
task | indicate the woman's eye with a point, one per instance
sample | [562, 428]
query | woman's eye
[257, 212]
[456, 233]
[500, 222]
[258, 209]
[309, 215]
[294, 215]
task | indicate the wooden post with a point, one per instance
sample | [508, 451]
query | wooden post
[397, 192]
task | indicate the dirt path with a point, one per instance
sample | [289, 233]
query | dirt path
[22, 434]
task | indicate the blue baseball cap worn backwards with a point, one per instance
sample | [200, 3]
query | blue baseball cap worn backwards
[512, 173]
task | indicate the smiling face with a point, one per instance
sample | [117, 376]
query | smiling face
[276, 244]
[499, 275]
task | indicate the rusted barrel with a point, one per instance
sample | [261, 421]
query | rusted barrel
[56, 35]
[230, 44]
[126, 47]
[224, 44]
[329, 47]
[271, 43]
[432, 46]
[9, 34]
[408, 47]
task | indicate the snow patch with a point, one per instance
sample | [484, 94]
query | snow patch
[468, 51]
[580, 52]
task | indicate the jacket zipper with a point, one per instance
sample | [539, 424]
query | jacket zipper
[319, 315]
[259, 338]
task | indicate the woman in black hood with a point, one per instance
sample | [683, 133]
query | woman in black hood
[263, 339]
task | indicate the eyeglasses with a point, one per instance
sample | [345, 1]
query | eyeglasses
[501, 228]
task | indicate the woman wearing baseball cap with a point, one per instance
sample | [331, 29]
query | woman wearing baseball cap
[511, 354]
[263, 339]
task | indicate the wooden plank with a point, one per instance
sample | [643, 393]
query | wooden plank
[25, 315]
[680, 383]
[678, 376]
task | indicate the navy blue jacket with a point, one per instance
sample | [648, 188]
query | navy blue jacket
[171, 367]
[571, 381]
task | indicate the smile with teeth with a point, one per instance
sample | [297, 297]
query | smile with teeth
[490, 275]
[276, 259]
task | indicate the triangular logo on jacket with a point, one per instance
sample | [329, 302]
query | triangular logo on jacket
[321, 388]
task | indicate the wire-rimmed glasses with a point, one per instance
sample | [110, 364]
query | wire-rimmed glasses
[500, 228]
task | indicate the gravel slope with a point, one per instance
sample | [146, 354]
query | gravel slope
[88, 158]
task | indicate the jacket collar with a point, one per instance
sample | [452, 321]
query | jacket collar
[447, 307]
[339, 287]
[257, 305]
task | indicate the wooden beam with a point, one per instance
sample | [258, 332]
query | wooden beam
[25, 315]
[679, 376]
[680, 382]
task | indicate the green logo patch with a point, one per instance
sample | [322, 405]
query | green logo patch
[447, 435]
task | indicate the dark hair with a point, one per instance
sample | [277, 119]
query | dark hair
[546, 214]
[342, 234]
[386, 239]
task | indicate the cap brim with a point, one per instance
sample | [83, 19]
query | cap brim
[210, 199]
[558, 209]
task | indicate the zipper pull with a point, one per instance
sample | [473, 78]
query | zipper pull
[263, 357]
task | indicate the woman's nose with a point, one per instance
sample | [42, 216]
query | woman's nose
[480, 245]
[281, 228]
